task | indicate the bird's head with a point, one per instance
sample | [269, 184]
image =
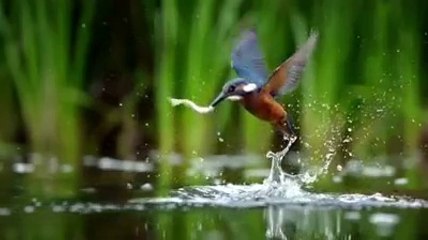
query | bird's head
[235, 90]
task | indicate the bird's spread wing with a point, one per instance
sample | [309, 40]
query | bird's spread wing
[286, 77]
[248, 60]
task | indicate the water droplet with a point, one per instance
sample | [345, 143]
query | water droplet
[146, 187]
[83, 25]
[218, 181]
[66, 168]
[337, 179]
[28, 209]
[398, 50]
[23, 167]
[5, 212]
[58, 208]
[401, 181]
[220, 139]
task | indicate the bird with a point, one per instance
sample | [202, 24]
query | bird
[257, 91]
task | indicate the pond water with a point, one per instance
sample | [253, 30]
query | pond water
[280, 207]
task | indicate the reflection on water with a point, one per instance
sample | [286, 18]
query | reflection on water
[163, 220]
[274, 222]
[296, 223]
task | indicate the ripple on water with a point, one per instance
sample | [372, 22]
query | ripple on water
[290, 193]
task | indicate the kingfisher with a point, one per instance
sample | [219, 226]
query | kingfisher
[256, 90]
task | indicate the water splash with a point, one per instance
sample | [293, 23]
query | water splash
[262, 195]
[312, 175]
[279, 188]
[278, 177]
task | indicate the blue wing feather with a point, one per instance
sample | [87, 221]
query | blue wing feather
[297, 64]
[248, 60]
[287, 76]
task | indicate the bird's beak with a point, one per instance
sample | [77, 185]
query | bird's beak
[218, 99]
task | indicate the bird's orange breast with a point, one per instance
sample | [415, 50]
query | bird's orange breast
[264, 107]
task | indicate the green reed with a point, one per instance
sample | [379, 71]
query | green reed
[9, 120]
[166, 36]
[193, 64]
[197, 80]
[206, 61]
[47, 68]
[410, 80]
[390, 84]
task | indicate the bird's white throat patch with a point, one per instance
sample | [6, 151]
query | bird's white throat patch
[249, 87]
[234, 98]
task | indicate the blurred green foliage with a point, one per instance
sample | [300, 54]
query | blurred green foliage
[93, 77]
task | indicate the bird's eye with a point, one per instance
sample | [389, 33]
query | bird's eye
[231, 89]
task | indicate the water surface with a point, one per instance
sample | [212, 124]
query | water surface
[280, 207]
